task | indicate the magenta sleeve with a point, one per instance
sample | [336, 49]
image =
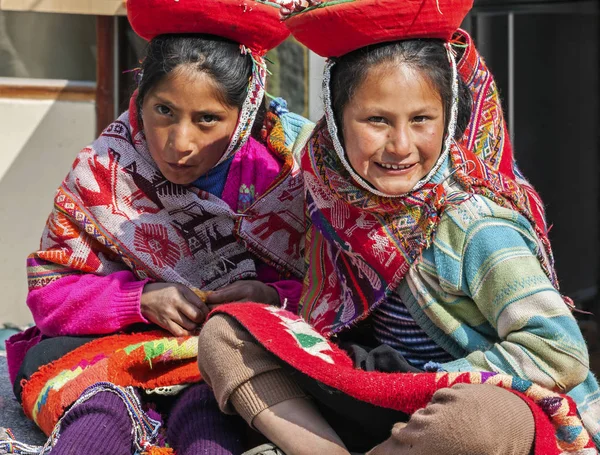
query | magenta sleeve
[87, 304]
[289, 289]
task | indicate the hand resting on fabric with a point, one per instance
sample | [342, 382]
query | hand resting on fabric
[174, 307]
[178, 309]
[243, 291]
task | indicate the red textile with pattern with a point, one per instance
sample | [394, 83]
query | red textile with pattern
[147, 360]
[115, 211]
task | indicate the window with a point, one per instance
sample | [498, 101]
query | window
[47, 46]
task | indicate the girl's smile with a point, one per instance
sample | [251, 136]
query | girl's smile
[393, 128]
[395, 167]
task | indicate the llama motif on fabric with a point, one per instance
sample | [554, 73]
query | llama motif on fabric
[117, 197]
[359, 245]
[273, 226]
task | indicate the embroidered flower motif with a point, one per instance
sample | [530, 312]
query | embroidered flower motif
[307, 338]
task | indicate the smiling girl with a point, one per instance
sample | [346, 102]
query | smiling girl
[425, 253]
[174, 209]
[393, 127]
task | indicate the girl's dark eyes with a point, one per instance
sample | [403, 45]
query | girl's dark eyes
[208, 118]
[204, 119]
[162, 109]
[416, 119]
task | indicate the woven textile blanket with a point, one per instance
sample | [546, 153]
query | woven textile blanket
[147, 360]
[153, 359]
[558, 427]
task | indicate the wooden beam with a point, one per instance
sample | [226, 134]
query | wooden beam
[47, 89]
[105, 72]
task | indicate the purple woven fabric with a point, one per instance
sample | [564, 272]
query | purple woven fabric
[196, 426]
[99, 426]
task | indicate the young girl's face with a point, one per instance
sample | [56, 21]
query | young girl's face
[187, 126]
[393, 128]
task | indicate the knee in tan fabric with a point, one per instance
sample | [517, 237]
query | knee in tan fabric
[242, 374]
[223, 336]
[466, 419]
[228, 356]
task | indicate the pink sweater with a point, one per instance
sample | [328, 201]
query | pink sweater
[96, 305]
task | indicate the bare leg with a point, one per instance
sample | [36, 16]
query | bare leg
[298, 428]
[250, 381]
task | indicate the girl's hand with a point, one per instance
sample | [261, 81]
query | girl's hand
[174, 307]
[244, 291]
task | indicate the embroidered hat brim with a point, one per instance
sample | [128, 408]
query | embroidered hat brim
[255, 24]
[334, 28]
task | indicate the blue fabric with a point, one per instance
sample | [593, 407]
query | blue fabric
[481, 277]
[394, 325]
[291, 123]
[213, 182]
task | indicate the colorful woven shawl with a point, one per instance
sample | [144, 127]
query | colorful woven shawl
[116, 211]
[360, 245]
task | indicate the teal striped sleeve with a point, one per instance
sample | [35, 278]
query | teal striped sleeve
[537, 337]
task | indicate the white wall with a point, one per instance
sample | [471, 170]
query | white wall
[38, 141]
[315, 90]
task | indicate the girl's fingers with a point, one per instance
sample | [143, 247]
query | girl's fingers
[193, 313]
[223, 295]
[178, 331]
[196, 309]
[184, 322]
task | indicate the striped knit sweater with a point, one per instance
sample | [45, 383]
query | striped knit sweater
[394, 325]
[480, 293]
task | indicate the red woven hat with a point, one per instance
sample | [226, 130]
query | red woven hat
[334, 28]
[255, 24]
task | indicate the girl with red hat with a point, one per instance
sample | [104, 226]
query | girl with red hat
[185, 202]
[427, 254]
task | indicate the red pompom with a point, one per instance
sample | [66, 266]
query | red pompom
[256, 25]
[334, 28]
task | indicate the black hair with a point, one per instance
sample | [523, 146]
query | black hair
[429, 56]
[218, 57]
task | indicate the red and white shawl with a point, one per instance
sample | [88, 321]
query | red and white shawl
[115, 211]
